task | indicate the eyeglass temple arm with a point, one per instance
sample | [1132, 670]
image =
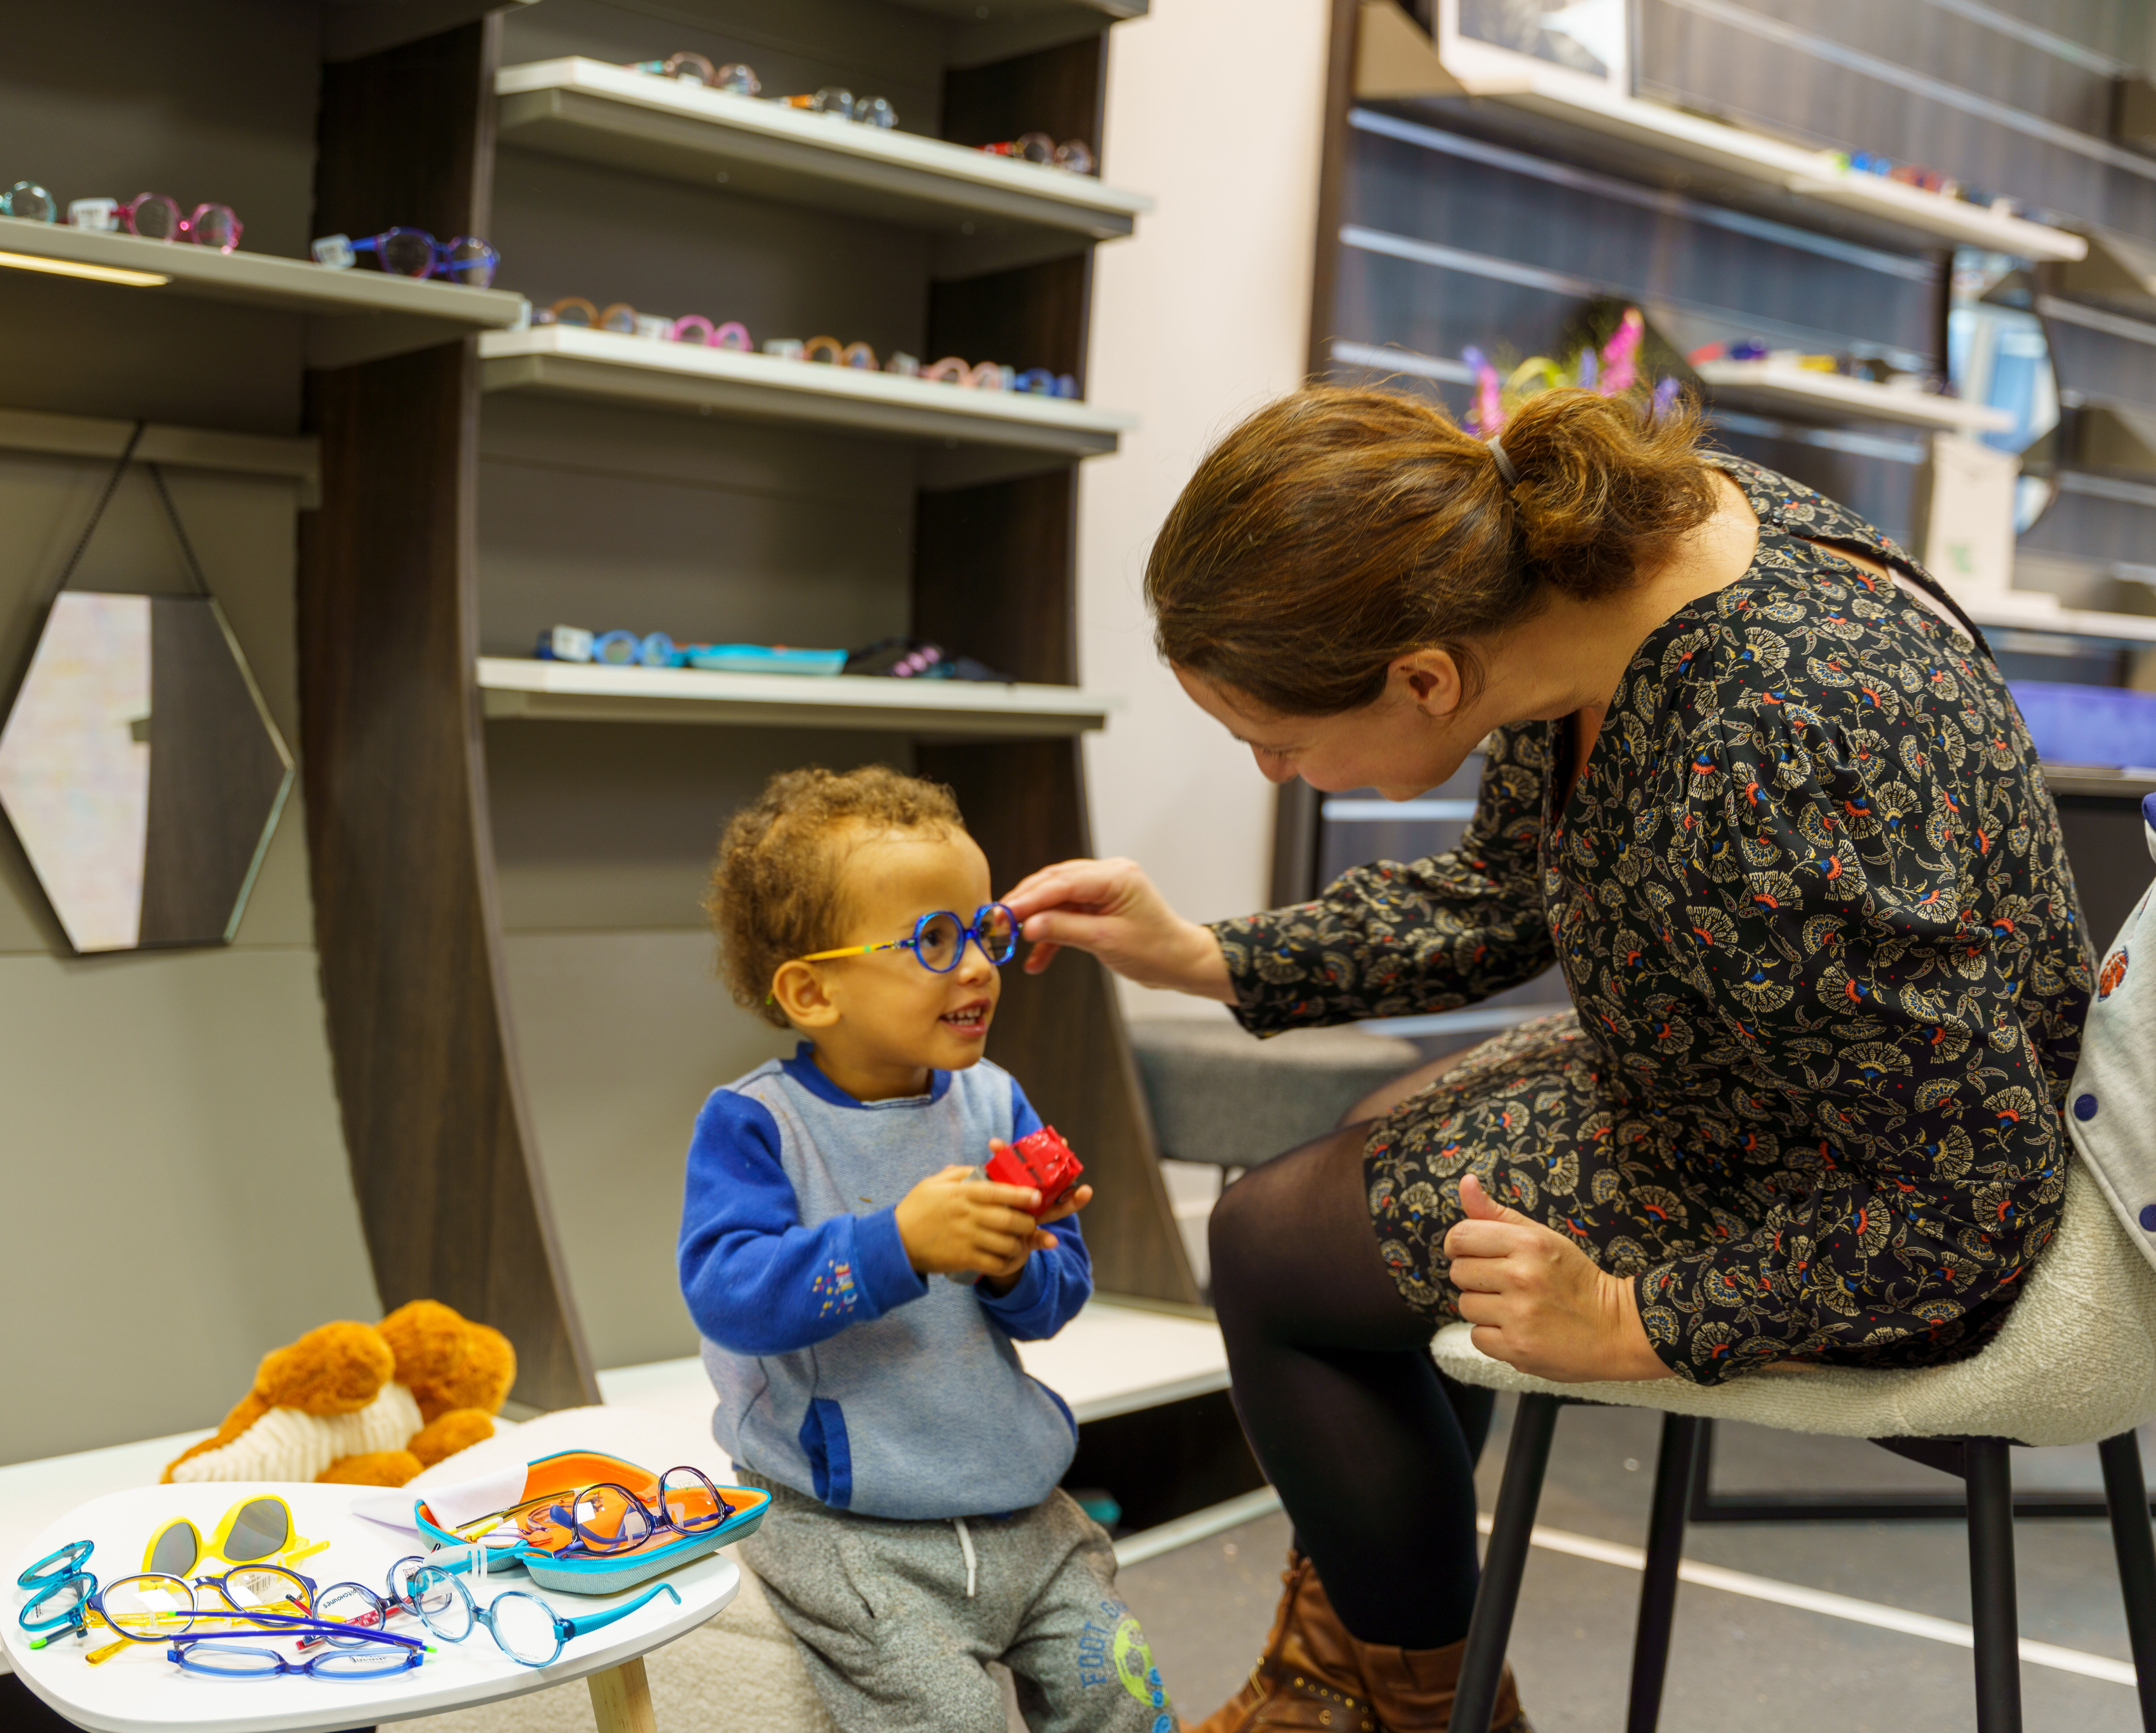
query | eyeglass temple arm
[593, 1621]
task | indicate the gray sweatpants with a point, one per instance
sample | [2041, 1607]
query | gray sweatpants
[897, 1621]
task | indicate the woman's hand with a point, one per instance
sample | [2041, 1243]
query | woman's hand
[1538, 1303]
[1111, 909]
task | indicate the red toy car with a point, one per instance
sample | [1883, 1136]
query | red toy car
[1043, 1161]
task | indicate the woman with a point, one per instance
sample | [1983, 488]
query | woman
[1777, 820]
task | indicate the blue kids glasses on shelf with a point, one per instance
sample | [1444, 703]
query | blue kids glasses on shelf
[413, 253]
[939, 940]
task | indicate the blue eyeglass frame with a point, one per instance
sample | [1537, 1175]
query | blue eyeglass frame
[56, 1565]
[967, 935]
[337, 1664]
[566, 1630]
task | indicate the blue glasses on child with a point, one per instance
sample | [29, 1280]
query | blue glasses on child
[939, 940]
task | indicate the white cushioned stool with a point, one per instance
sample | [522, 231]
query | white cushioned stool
[2074, 1363]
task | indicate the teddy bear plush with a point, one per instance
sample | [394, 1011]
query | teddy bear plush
[369, 1405]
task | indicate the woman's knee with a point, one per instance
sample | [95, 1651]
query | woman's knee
[1263, 1235]
[1383, 1099]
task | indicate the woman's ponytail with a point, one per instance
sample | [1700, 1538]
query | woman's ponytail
[1338, 529]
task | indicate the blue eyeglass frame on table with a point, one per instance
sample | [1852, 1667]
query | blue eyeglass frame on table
[387, 1654]
[58, 1575]
[64, 1561]
[566, 1630]
[967, 935]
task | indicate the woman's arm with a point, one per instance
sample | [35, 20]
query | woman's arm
[1382, 940]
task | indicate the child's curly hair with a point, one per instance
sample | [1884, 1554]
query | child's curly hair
[774, 893]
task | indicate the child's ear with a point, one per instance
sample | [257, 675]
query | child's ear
[799, 992]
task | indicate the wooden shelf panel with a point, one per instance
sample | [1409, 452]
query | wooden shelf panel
[513, 688]
[358, 315]
[1397, 60]
[1781, 386]
[693, 378]
[988, 213]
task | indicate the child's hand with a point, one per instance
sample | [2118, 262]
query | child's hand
[954, 1222]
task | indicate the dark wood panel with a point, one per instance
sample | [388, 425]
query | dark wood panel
[1061, 1033]
[451, 1195]
[1059, 91]
[214, 773]
[1033, 316]
[994, 569]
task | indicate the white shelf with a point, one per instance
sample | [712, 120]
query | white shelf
[1396, 59]
[986, 211]
[517, 689]
[692, 379]
[2040, 611]
[1778, 384]
[352, 315]
[1113, 1358]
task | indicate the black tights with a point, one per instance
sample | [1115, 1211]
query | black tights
[1372, 1452]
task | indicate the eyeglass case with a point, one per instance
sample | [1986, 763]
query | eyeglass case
[569, 1472]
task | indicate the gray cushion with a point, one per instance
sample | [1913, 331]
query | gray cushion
[1220, 1096]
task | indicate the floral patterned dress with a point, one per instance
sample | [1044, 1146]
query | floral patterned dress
[1827, 968]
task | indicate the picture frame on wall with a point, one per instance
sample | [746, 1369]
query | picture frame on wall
[1584, 43]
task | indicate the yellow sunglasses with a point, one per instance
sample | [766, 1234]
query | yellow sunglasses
[253, 1531]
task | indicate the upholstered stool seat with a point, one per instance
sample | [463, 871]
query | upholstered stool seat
[2074, 1363]
[1223, 1096]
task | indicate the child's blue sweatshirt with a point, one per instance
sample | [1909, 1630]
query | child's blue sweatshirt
[839, 1370]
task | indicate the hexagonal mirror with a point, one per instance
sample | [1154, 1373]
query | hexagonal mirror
[140, 771]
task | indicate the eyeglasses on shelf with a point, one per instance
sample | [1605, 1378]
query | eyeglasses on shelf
[413, 253]
[29, 201]
[156, 217]
[841, 103]
[1075, 155]
[695, 68]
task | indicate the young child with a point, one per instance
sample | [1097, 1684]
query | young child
[915, 1531]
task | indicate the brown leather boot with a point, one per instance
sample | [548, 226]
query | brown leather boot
[1308, 1677]
[1412, 1689]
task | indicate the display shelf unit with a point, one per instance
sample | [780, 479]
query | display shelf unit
[1778, 385]
[1395, 60]
[986, 211]
[573, 361]
[2040, 611]
[411, 728]
[515, 688]
[352, 315]
[2116, 271]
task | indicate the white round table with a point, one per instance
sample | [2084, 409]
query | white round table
[141, 1691]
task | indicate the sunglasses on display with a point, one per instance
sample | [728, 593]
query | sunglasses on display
[842, 105]
[1075, 155]
[153, 216]
[939, 939]
[413, 253]
[694, 69]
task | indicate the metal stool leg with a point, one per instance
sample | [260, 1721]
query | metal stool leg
[2127, 1494]
[1526, 1459]
[1658, 1589]
[1990, 1476]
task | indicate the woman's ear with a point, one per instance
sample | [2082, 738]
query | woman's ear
[799, 991]
[1430, 677]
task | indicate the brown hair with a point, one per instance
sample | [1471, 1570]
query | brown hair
[778, 882]
[1338, 529]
